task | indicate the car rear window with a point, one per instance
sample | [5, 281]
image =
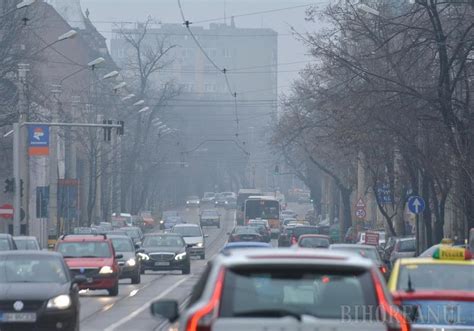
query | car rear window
[314, 242]
[326, 294]
[298, 231]
[86, 249]
[407, 245]
[26, 244]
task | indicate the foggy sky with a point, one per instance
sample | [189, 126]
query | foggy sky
[105, 12]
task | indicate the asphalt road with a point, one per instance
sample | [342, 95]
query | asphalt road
[130, 310]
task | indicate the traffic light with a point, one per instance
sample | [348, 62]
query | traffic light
[107, 130]
[9, 185]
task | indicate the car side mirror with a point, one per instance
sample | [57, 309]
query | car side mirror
[119, 256]
[165, 308]
[79, 279]
[137, 246]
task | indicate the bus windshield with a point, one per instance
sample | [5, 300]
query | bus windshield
[264, 209]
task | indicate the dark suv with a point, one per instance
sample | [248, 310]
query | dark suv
[92, 256]
[165, 251]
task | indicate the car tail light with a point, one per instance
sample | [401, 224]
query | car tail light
[383, 269]
[393, 318]
[202, 319]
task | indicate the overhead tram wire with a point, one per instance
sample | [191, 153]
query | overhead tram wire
[224, 71]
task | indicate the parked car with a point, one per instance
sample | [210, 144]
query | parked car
[286, 289]
[244, 233]
[27, 243]
[129, 263]
[36, 287]
[165, 251]
[6, 242]
[92, 256]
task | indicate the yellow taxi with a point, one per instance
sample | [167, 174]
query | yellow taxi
[436, 293]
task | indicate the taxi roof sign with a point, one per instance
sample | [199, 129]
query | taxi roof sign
[452, 253]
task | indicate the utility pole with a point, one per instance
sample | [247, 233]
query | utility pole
[53, 162]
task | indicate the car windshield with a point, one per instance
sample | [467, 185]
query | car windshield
[32, 269]
[369, 252]
[122, 245]
[454, 277]
[4, 245]
[314, 242]
[242, 230]
[188, 231]
[26, 244]
[92, 249]
[263, 292]
[193, 197]
[163, 241]
[299, 230]
[407, 245]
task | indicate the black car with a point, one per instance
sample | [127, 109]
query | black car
[6, 242]
[291, 234]
[245, 233]
[37, 292]
[165, 251]
[130, 264]
[135, 233]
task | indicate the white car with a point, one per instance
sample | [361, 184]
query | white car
[287, 289]
[193, 237]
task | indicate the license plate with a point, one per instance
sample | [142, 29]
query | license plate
[162, 264]
[18, 317]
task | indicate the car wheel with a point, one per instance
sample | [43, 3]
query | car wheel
[137, 278]
[113, 292]
[187, 270]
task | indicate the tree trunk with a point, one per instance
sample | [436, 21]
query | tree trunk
[427, 216]
[346, 217]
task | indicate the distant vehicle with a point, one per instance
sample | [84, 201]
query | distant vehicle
[27, 243]
[135, 233]
[37, 288]
[193, 237]
[265, 208]
[287, 213]
[121, 220]
[208, 197]
[369, 252]
[244, 245]
[129, 263]
[231, 203]
[6, 242]
[148, 222]
[276, 289]
[106, 225]
[165, 251]
[171, 221]
[210, 217]
[404, 247]
[288, 221]
[293, 233]
[229, 195]
[263, 228]
[193, 201]
[243, 195]
[92, 256]
[244, 233]
[221, 201]
[314, 241]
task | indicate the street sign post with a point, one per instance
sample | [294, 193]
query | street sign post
[416, 204]
[371, 238]
[360, 213]
[6, 211]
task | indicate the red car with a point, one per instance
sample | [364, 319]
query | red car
[92, 256]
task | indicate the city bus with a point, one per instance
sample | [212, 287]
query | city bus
[265, 208]
[243, 195]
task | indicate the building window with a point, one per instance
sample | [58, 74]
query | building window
[226, 53]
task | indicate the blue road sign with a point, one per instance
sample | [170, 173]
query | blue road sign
[38, 139]
[416, 204]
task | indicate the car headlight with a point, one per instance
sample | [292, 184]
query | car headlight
[199, 244]
[143, 256]
[187, 202]
[131, 262]
[60, 302]
[161, 222]
[226, 202]
[106, 270]
[180, 256]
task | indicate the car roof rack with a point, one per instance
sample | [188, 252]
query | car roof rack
[83, 235]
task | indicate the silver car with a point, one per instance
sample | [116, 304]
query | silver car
[286, 289]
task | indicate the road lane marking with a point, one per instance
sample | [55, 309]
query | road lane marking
[108, 307]
[145, 306]
[133, 293]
